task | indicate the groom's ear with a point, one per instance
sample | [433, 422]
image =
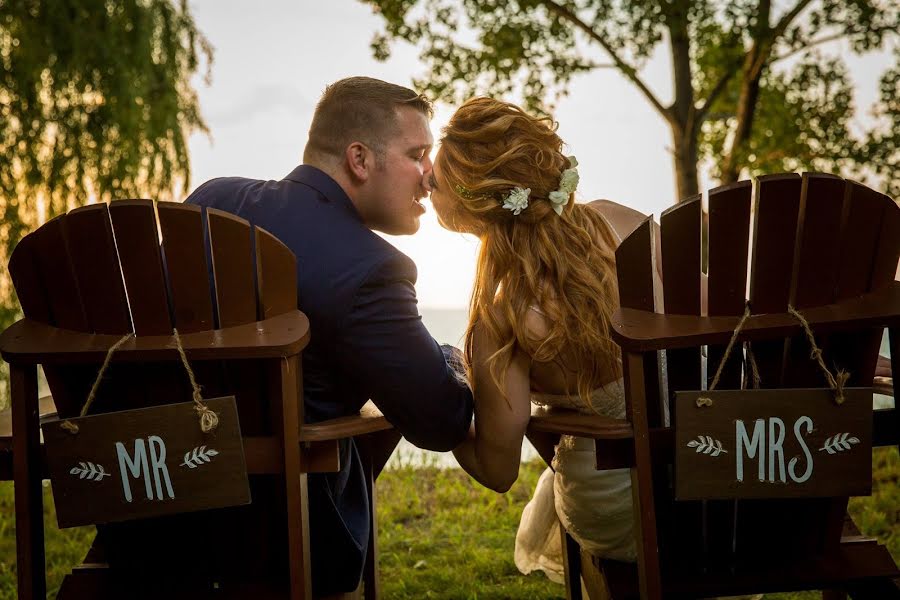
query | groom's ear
[360, 161]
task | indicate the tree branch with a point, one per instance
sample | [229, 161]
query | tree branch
[788, 17]
[626, 69]
[718, 89]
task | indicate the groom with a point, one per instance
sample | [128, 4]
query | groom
[364, 170]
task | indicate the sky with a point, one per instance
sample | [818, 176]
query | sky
[273, 58]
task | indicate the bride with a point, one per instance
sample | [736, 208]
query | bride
[539, 329]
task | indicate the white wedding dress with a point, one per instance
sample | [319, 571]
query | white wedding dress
[594, 506]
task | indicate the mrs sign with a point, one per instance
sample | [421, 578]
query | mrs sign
[146, 462]
[784, 443]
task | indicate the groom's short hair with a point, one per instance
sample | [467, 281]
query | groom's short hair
[358, 109]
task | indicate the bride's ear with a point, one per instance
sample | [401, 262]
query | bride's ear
[360, 161]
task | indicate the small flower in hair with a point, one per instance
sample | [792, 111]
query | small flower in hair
[517, 200]
[568, 182]
[464, 192]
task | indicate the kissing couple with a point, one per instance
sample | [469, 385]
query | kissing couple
[539, 320]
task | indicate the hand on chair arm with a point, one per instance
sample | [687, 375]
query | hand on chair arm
[384, 343]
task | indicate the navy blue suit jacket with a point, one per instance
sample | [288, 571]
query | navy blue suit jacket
[367, 341]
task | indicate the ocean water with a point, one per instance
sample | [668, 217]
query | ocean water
[447, 326]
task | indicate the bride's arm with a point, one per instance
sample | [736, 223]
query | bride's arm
[492, 451]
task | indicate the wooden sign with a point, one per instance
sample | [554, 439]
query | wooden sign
[145, 463]
[773, 444]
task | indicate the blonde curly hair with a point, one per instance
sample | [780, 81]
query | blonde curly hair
[564, 265]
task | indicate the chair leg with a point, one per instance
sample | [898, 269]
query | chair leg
[571, 552]
[371, 589]
[27, 481]
[296, 492]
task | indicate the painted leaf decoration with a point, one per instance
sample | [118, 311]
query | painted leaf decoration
[692, 444]
[212, 453]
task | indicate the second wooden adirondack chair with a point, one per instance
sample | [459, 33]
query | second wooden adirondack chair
[86, 278]
[825, 246]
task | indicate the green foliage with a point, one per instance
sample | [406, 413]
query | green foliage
[95, 101]
[530, 50]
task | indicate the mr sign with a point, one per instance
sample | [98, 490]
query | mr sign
[773, 444]
[145, 462]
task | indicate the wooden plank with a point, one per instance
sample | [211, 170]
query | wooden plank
[773, 444]
[642, 480]
[69, 386]
[682, 285]
[680, 524]
[233, 262]
[26, 278]
[138, 241]
[145, 463]
[96, 267]
[814, 272]
[52, 260]
[30, 565]
[635, 258]
[729, 234]
[276, 267]
[30, 342]
[729, 231]
[287, 412]
[186, 266]
[859, 239]
[777, 209]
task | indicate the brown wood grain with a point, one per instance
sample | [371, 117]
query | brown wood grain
[635, 263]
[53, 261]
[641, 331]
[276, 269]
[29, 504]
[642, 481]
[137, 239]
[192, 483]
[96, 268]
[569, 422]
[233, 268]
[30, 342]
[186, 266]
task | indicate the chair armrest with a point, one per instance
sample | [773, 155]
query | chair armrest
[570, 422]
[30, 342]
[643, 331]
[369, 420]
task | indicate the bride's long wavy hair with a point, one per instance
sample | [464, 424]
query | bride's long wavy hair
[563, 265]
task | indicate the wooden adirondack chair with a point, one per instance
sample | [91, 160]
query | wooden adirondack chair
[86, 278]
[829, 248]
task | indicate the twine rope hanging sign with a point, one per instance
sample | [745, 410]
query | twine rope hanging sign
[835, 382]
[209, 420]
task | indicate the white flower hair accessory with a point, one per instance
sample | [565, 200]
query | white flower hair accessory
[517, 200]
[568, 182]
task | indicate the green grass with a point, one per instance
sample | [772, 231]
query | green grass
[444, 536]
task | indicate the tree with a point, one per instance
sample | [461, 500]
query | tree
[753, 90]
[95, 101]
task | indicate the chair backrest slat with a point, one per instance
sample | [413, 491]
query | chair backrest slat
[53, 262]
[232, 259]
[26, 278]
[822, 200]
[274, 261]
[861, 232]
[729, 232]
[138, 241]
[96, 268]
[682, 271]
[186, 266]
[634, 272]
